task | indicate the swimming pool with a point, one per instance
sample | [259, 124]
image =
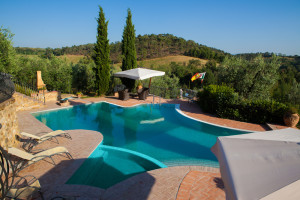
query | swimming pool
[158, 131]
[108, 165]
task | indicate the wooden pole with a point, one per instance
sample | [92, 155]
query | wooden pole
[149, 83]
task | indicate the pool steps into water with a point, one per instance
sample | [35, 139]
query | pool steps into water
[109, 165]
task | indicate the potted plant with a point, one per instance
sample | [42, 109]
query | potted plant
[79, 94]
[291, 117]
[139, 86]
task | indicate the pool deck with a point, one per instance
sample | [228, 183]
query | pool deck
[182, 182]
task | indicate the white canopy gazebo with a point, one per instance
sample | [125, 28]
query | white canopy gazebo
[139, 74]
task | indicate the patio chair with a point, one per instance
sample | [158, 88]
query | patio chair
[124, 95]
[118, 88]
[190, 95]
[143, 93]
[35, 140]
[26, 159]
[24, 188]
[13, 186]
[6, 170]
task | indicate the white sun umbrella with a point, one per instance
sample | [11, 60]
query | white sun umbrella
[260, 165]
[139, 74]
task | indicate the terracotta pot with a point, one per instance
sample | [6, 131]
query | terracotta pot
[139, 87]
[291, 120]
[116, 94]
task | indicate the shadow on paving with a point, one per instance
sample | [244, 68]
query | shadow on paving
[55, 183]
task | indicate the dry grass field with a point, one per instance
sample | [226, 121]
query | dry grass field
[150, 63]
[167, 60]
[71, 58]
[164, 61]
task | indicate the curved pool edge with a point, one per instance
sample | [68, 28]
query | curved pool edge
[177, 108]
[71, 106]
[135, 153]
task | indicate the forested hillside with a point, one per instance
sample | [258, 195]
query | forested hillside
[147, 47]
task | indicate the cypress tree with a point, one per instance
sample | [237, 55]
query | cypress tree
[102, 61]
[129, 60]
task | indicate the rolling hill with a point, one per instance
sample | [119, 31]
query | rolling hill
[164, 61]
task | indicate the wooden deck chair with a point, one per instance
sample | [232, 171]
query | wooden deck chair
[35, 140]
[25, 159]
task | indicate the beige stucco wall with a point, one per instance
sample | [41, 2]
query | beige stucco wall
[9, 122]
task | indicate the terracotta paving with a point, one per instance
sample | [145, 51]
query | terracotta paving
[160, 184]
[53, 177]
[201, 185]
[197, 182]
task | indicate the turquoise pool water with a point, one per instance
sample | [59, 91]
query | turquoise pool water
[108, 165]
[158, 131]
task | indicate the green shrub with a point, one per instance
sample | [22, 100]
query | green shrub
[262, 111]
[24, 90]
[225, 103]
[216, 98]
[292, 110]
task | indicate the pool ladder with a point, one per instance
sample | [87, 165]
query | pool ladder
[159, 99]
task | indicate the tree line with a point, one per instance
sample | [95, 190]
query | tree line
[147, 47]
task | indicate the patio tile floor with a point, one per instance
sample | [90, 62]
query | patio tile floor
[166, 183]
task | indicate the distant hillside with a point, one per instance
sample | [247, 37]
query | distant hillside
[30, 51]
[157, 46]
[155, 63]
[86, 50]
[148, 47]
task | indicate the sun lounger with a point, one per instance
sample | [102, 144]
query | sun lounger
[27, 159]
[12, 185]
[35, 140]
[24, 188]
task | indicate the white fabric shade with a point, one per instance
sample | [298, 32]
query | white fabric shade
[139, 73]
[256, 165]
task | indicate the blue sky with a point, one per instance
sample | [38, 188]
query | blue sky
[235, 26]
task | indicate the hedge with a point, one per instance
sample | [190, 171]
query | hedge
[225, 103]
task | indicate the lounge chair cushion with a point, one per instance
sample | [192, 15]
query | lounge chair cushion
[44, 137]
[32, 158]
[35, 140]
[20, 153]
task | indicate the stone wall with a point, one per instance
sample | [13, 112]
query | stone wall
[51, 96]
[9, 123]
[24, 102]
